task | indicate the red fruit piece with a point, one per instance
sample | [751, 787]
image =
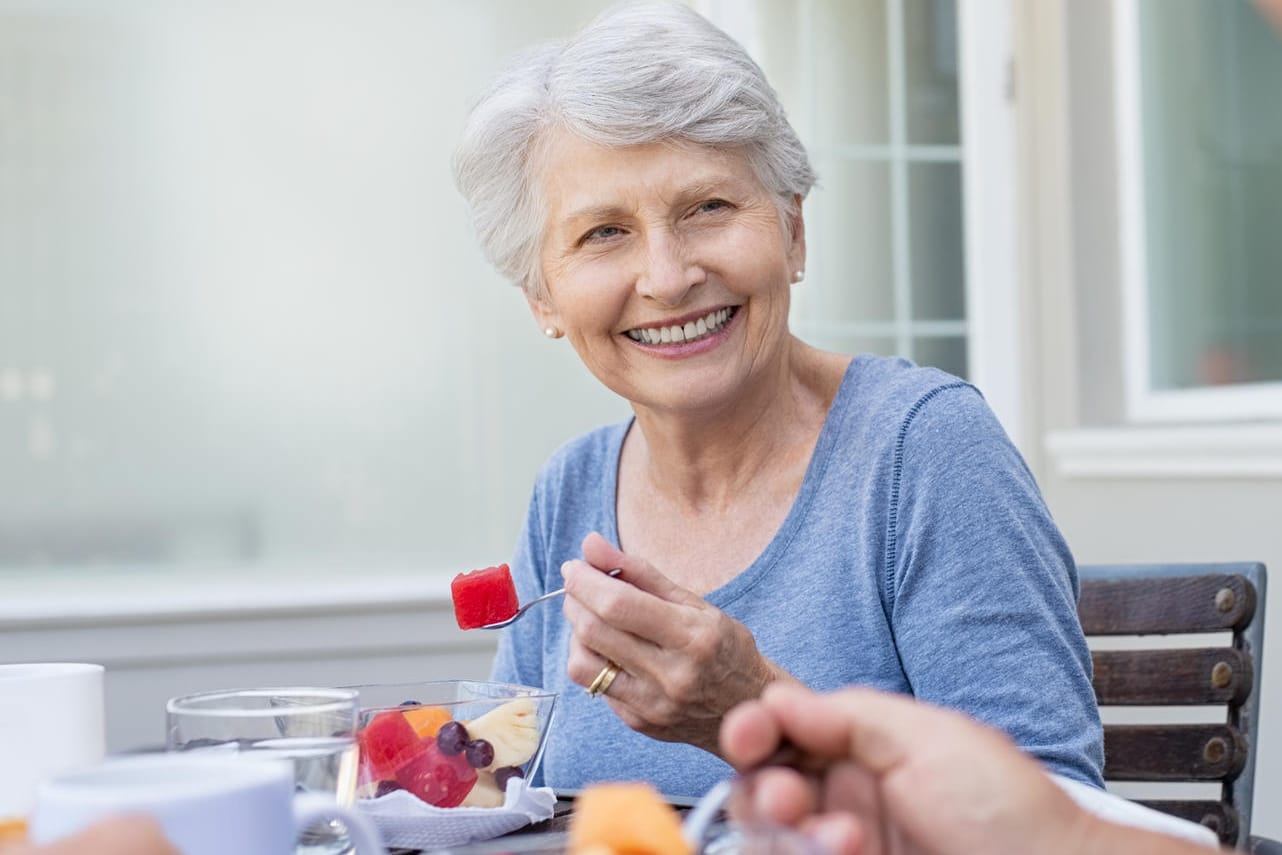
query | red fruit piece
[483, 596]
[438, 778]
[387, 743]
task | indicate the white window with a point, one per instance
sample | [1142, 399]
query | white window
[1200, 143]
[905, 106]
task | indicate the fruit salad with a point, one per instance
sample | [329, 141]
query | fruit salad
[423, 750]
[483, 596]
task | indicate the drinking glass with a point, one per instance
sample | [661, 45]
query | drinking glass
[313, 729]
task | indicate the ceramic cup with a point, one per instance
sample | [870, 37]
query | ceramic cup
[206, 805]
[51, 721]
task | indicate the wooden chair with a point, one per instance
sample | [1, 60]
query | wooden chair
[1181, 599]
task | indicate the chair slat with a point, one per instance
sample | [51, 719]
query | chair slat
[1217, 816]
[1209, 603]
[1173, 752]
[1207, 675]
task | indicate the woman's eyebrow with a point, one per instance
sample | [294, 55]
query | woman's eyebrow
[594, 213]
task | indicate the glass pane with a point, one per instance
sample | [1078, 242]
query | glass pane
[938, 255]
[851, 88]
[947, 353]
[1212, 192]
[850, 243]
[930, 64]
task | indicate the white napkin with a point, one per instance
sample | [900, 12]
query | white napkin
[405, 821]
[1124, 812]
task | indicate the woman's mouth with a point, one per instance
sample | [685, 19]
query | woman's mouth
[687, 332]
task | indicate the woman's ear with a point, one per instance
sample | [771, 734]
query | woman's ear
[796, 235]
[545, 315]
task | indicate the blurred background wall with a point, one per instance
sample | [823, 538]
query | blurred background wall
[260, 396]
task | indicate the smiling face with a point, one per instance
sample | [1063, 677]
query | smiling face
[668, 268]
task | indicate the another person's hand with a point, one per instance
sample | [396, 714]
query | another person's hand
[683, 663]
[888, 774]
[130, 835]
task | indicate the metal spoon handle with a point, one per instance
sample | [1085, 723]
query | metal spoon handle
[549, 595]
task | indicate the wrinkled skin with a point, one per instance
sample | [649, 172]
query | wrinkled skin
[683, 663]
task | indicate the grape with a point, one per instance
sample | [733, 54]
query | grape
[452, 738]
[480, 753]
[505, 773]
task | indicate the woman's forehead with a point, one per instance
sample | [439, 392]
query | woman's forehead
[578, 173]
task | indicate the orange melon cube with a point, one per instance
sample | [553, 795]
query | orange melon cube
[625, 819]
[426, 721]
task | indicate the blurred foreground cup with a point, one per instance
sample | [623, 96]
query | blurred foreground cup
[51, 721]
[206, 804]
[311, 730]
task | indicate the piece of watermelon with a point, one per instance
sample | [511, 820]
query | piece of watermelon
[483, 596]
[388, 743]
[438, 778]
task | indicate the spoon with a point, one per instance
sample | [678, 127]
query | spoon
[525, 608]
[707, 811]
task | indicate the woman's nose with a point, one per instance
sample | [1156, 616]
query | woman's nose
[667, 275]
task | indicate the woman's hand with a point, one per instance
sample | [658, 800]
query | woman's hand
[683, 662]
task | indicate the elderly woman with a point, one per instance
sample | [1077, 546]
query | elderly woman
[779, 513]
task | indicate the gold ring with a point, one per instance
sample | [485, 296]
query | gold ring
[601, 684]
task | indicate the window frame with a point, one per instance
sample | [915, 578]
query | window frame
[987, 155]
[1145, 404]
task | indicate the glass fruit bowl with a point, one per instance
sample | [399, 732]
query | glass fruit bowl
[450, 743]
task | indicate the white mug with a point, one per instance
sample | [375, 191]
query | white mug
[207, 805]
[51, 721]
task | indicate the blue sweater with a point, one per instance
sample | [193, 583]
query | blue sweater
[918, 558]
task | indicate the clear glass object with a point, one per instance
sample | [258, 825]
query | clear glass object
[312, 729]
[938, 245]
[516, 717]
[931, 109]
[1212, 188]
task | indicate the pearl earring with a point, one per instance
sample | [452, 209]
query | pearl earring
[552, 332]
[799, 276]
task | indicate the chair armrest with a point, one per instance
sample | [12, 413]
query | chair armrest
[1263, 846]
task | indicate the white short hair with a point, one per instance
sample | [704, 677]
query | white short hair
[639, 73]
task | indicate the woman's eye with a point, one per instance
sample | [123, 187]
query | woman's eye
[710, 206]
[602, 233]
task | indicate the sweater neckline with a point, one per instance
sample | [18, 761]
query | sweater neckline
[761, 566]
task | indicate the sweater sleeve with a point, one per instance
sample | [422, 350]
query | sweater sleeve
[981, 586]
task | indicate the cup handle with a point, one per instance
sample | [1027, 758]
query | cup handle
[315, 807]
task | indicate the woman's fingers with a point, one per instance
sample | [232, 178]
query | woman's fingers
[637, 572]
[640, 602]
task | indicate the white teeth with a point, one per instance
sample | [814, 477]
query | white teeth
[674, 334]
